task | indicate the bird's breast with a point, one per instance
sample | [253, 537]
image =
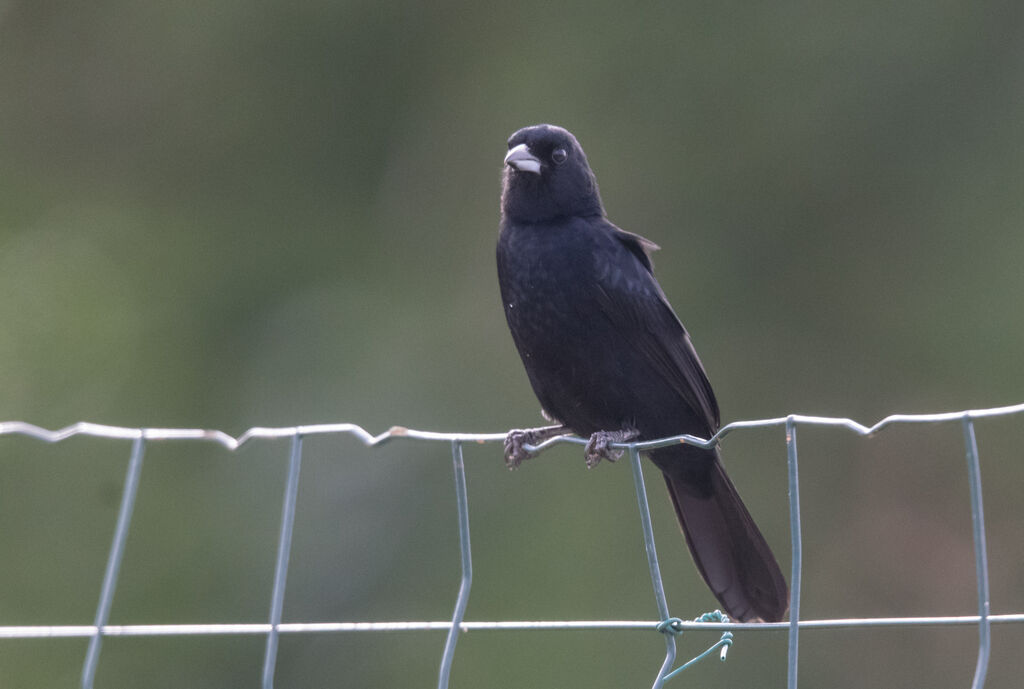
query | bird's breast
[545, 279]
[550, 290]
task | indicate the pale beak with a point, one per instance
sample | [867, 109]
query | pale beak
[521, 159]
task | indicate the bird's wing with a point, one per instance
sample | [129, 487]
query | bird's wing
[634, 301]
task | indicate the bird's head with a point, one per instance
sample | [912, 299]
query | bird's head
[547, 176]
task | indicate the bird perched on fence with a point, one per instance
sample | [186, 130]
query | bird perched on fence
[609, 360]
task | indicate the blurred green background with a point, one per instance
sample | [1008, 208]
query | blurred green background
[231, 214]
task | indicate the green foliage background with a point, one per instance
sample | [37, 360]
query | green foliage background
[230, 214]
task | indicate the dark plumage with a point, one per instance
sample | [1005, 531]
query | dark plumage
[606, 355]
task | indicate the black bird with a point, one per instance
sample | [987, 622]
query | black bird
[609, 360]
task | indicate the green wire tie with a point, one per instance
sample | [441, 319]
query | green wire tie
[673, 626]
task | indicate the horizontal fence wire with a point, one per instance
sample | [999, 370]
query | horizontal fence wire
[71, 631]
[666, 624]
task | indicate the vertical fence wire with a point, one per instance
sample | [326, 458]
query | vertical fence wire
[124, 518]
[284, 546]
[980, 554]
[797, 541]
[652, 563]
[462, 503]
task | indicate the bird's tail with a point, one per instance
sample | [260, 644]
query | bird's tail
[727, 546]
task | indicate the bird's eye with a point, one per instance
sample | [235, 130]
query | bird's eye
[559, 155]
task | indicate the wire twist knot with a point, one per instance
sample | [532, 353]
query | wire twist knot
[673, 626]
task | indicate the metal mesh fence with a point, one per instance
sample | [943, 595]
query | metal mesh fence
[667, 625]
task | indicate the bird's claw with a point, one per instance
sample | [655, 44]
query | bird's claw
[515, 450]
[598, 446]
[516, 441]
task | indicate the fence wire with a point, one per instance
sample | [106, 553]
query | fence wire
[668, 625]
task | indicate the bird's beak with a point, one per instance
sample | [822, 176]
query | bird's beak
[521, 159]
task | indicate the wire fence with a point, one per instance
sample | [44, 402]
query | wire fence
[668, 625]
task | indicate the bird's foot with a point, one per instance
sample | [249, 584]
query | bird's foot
[515, 453]
[598, 446]
[517, 439]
